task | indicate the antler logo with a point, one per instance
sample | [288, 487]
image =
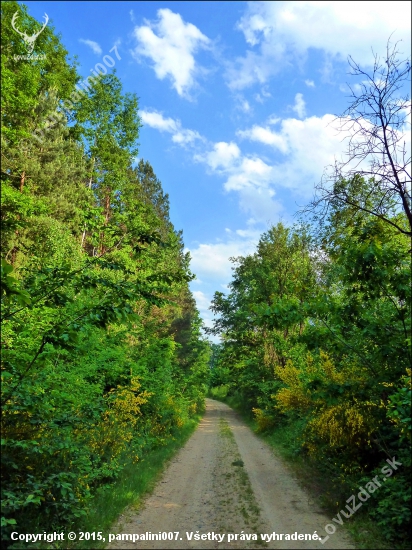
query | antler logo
[29, 40]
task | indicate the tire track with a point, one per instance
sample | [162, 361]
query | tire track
[226, 480]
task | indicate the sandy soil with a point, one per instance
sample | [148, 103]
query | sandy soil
[224, 481]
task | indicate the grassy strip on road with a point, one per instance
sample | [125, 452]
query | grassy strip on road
[233, 491]
[283, 439]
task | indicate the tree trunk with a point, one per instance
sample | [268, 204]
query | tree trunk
[22, 180]
[84, 231]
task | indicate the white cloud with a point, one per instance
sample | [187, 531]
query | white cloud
[159, 122]
[250, 172]
[265, 135]
[282, 32]
[210, 261]
[299, 106]
[95, 47]
[171, 44]
[181, 136]
[309, 83]
[202, 301]
[251, 69]
[307, 147]
[186, 137]
[274, 119]
[249, 176]
[244, 106]
[222, 156]
[313, 144]
[264, 93]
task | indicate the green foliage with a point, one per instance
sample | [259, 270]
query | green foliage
[316, 338]
[103, 359]
[9, 286]
[219, 392]
[399, 408]
[24, 81]
[390, 508]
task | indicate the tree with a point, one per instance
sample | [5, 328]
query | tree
[265, 313]
[25, 81]
[102, 353]
[376, 121]
[152, 191]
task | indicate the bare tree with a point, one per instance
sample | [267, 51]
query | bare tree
[377, 122]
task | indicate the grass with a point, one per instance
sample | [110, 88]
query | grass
[240, 498]
[318, 483]
[135, 481]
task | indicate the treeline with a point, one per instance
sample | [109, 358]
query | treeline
[102, 353]
[316, 331]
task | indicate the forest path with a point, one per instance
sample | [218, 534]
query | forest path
[227, 480]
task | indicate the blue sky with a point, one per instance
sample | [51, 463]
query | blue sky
[237, 102]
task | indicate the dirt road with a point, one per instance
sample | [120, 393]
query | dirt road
[227, 481]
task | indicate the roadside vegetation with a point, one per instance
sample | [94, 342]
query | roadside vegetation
[104, 367]
[126, 494]
[316, 326]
